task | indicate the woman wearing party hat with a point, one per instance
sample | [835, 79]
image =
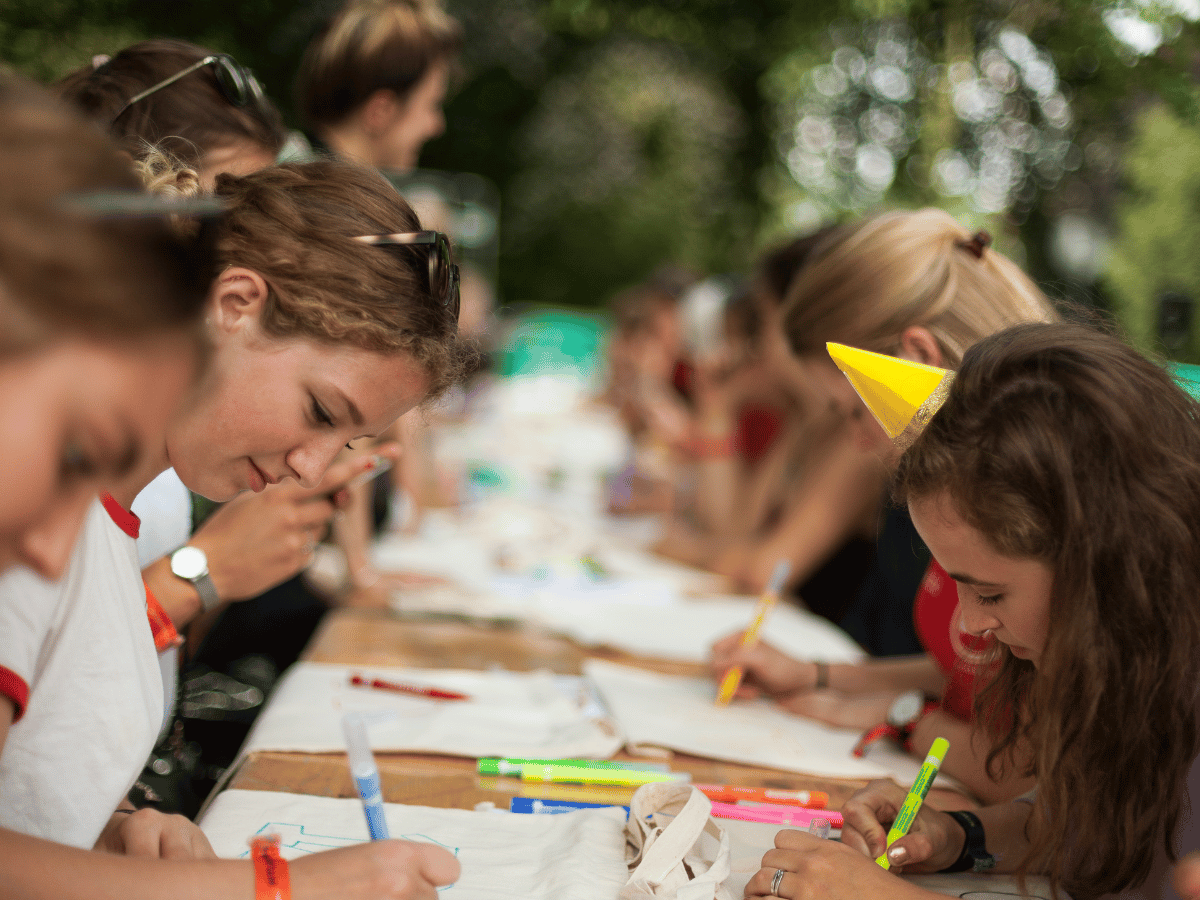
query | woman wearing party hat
[1059, 485]
[912, 286]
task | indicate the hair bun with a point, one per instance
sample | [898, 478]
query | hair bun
[979, 242]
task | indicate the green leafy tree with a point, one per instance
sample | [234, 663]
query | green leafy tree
[1155, 255]
[626, 133]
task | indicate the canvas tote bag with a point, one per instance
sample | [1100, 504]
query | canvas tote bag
[674, 848]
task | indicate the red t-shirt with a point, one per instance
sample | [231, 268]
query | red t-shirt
[933, 614]
[758, 425]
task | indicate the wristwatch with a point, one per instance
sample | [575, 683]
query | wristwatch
[190, 564]
[905, 711]
[974, 856]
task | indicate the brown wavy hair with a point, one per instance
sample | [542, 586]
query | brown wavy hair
[187, 119]
[1062, 444]
[69, 262]
[295, 224]
[868, 281]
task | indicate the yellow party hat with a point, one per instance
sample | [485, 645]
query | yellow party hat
[898, 392]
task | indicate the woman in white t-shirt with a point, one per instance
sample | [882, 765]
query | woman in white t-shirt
[333, 314]
[98, 321]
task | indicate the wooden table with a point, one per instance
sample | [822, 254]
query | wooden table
[376, 637]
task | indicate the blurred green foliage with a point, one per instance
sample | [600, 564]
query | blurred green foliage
[625, 133]
[1159, 231]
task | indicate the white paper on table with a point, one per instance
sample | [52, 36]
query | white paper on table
[685, 630]
[637, 563]
[441, 549]
[505, 537]
[679, 713]
[502, 854]
[748, 841]
[518, 714]
[637, 617]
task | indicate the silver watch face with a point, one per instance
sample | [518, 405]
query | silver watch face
[189, 562]
[906, 708]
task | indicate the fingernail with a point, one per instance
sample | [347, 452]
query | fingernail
[897, 855]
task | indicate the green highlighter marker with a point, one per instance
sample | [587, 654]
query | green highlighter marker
[916, 796]
[490, 765]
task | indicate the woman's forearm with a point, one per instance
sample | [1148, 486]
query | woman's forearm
[36, 869]
[903, 673]
[967, 758]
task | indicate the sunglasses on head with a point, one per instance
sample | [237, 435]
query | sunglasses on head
[443, 273]
[236, 83]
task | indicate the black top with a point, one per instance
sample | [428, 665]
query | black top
[881, 615]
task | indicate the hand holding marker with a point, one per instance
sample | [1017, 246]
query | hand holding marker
[379, 464]
[916, 796]
[733, 678]
[365, 774]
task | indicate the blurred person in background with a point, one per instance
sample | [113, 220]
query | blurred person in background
[372, 83]
[649, 377]
[761, 432]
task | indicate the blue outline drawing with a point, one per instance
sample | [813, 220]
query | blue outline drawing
[297, 837]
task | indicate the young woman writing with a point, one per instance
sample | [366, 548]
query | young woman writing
[333, 315]
[1059, 486]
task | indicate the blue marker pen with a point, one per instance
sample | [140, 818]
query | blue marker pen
[365, 774]
[535, 807]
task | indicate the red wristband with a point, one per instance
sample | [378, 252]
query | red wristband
[270, 869]
[902, 736]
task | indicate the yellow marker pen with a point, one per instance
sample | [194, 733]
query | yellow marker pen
[916, 796]
[582, 775]
[733, 678]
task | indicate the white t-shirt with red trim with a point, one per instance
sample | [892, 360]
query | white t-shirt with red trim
[81, 651]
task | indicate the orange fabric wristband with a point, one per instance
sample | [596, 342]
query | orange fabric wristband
[270, 870]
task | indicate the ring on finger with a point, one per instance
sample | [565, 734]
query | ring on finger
[776, 881]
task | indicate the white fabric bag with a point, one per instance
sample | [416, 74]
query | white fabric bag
[674, 848]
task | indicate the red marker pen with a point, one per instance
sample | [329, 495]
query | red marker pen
[413, 689]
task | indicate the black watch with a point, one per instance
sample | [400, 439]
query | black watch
[974, 856]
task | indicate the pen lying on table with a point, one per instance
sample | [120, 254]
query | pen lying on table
[414, 690]
[776, 815]
[732, 794]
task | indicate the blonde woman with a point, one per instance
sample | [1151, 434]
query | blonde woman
[919, 286]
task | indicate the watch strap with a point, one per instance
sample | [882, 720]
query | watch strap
[974, 856]
[203, 584]
[207, 591]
